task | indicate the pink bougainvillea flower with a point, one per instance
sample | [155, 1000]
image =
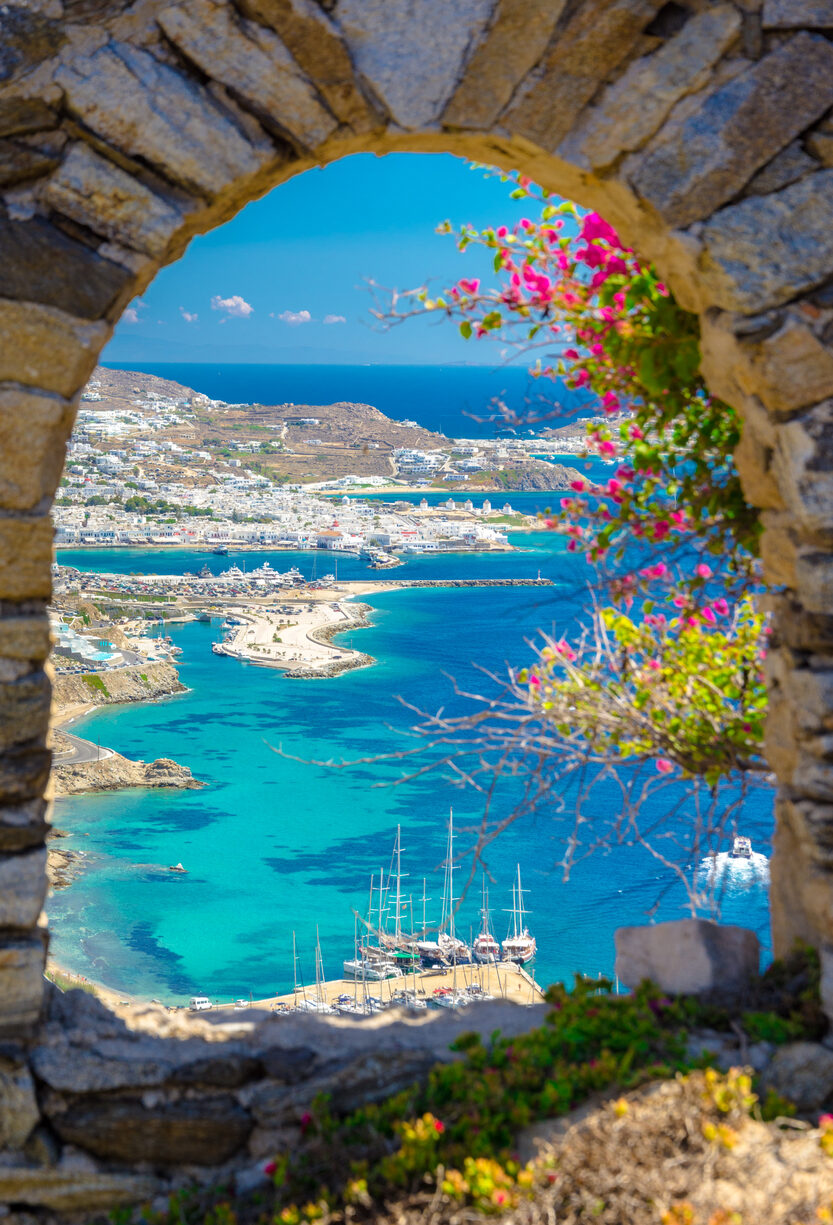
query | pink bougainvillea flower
[654, 665]
[721, 607]
[534, 680]
[708, 616]
[439, 1127]
[825, 1121]
[610, 401]
[501, 231]
[679, 601]
[306, 1120]
[636, 433]
[578, 485]
[594, 227]
[470, 287]
[664, 766]
[607, 448]
[571, 355]
[703, 571]
[662, 289]
[270, 1168]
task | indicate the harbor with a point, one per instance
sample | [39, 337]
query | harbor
[398, 963]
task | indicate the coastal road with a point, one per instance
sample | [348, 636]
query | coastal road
[83, 751]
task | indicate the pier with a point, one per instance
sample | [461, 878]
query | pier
[503, 980]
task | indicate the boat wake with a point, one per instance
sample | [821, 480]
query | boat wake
[724, 872]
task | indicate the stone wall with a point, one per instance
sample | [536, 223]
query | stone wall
[702, 130]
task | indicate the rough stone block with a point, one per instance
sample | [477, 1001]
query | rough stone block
[33, 433]
[19, 116]
[687, 957]
[766, 250]
[798, 14]
[19, 1112]
[22, 961]
[254, 64]
[47, 348]
[803, 467]
[516, 40]
[20, 162]
[201, 1131]
[708, 157]
[27, 38]
[25, 559]
[25, 638]
[22, 888]
[314, 41]
[814, 580]
[149, 110]
[71, 1190]
[24, 709]
[97, 194]
[593, 43]
[410, 52]
[40, 264]
[631, 110]
[801, 1072]
[23, 774]
[23, 825]
[788, 370]
[788, 166]
[820, 144]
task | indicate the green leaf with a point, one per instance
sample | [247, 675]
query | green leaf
[466, 329]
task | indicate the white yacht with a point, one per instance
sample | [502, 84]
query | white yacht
[519, 946]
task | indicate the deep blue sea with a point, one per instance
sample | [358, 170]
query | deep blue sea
[274, 845]
[454, 400]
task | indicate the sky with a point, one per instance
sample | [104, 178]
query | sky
[286, 279]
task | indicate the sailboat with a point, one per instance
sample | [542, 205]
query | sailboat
[456, 951]
[318, 1002]
[485, 947]
[519, 945]
[430, 953]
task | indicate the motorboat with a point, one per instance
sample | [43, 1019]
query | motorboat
[741, 847]
[445, 997]
[409, 1000]
[177, 867]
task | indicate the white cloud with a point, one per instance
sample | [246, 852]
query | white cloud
[187, 315]
[334, 319]
[131, 315]
[293, 318]
[234, 306]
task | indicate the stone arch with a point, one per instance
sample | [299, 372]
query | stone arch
[702, 129]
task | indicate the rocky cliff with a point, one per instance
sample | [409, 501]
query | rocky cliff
[116, 772]
[137, 684]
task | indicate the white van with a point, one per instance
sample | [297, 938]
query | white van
[199, 1003]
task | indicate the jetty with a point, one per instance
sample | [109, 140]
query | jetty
[502, 980]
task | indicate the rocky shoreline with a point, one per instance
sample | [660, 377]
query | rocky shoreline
[115, 773]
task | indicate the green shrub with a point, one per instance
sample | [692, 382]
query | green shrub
[95, 683]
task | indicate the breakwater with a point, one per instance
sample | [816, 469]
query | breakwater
[470, 582]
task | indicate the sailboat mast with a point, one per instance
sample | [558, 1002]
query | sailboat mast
[451, 874]
[398, 919]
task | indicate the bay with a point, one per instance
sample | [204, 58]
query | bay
[275, 845]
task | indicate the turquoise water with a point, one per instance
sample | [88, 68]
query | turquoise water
[275, 846]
